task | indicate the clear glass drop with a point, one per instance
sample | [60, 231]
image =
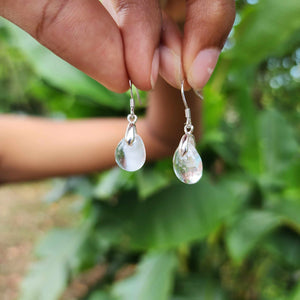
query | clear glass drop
[131, 157]
[187, 163]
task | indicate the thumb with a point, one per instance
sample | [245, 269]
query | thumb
[207, 26]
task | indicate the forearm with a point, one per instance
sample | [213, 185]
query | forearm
[32, 148]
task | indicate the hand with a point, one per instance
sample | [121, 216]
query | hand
[143, 24]
[86, 35]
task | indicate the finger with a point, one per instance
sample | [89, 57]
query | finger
[170, 67]
[207, 26]
[140, 25]
[81, 32]
[175, 9]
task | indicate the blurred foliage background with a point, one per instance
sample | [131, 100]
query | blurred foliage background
[236, 234]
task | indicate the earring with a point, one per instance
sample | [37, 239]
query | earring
[130, 154]
[187, 163]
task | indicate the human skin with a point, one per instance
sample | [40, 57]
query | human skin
[113, 40]
[91, 38]
[34, 148]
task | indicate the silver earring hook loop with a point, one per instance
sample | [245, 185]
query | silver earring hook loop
[137, 93]
[183, 95]
[188, 128]
[132, 117]
[199, 94]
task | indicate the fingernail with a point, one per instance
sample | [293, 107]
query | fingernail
[202, 67]
[170, 66]
[155, 67]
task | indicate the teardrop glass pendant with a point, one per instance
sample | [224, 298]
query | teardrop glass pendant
[130, 154]
[187, 163]
[131, 157]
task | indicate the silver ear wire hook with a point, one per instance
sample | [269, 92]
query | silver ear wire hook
[187, 163]
[130, 154]
[188, 128]
[183, 96]
[131, 94]
[132, 118]
[130, 86]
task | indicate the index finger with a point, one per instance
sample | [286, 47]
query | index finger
[81, 32]
[140, 26]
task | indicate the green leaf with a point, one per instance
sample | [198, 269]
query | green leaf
[248, 230]
[46, 281]
[151, 180]
[111, 182]
[264, 30]
[176, 215]
[152, 280]
[47, 278]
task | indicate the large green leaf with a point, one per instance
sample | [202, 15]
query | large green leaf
[264, 30]
[176, 215]
[248, 230]
[47, 278]
[46, 281]
[152, 280]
